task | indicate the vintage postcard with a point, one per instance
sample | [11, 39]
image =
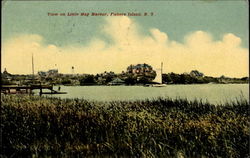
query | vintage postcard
[125, 78]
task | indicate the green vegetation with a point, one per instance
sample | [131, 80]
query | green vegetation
[42, 127]
[66, 82]
[193, 78]
[174, 78]
[6, 82]
[88, 80]
[134, 75]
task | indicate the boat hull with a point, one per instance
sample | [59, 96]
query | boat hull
[155, 85]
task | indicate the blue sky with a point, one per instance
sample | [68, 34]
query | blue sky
[211, 36]
[177, 18]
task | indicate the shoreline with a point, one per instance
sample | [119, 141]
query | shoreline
[152, 84]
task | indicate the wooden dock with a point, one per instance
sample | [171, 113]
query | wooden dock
[10, 89]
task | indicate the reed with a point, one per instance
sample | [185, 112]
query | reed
[51, 127]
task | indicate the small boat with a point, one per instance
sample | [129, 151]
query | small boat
[54, 92]
[155, 85]
[158, 79]
[158, 85]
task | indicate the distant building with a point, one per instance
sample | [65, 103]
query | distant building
[196, 73]
[6, 75]
[50, 73]
[116, 81]
[141, 70]
[107, 74]
[42, 73]
[53, 72]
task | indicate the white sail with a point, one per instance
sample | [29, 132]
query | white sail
[158, 78]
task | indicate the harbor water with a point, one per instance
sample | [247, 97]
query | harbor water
[212, 93]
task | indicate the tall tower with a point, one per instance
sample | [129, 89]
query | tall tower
[161, 71]
[33, 73]
[72, 70]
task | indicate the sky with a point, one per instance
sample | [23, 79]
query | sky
[208, 36]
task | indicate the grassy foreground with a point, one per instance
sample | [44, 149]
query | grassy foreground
[44, 127]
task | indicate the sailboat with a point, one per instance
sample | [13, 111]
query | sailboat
[40, 86]
[158, 79]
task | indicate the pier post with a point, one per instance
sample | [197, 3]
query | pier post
[40, 91]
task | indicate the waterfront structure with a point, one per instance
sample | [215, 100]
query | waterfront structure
[28, 89]
[116, 81]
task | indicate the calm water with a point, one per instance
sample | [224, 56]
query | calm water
[213, 93]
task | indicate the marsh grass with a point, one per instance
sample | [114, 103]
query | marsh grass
[51, 127]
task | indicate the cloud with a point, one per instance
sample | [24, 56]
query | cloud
[199, 51]
[159, 36]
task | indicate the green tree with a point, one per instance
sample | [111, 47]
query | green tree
[108, 79]
[130, 80]
[144, 80]
[66, 81]
[88, 80]
[7, 82]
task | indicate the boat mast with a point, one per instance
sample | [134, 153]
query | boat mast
[161, 71]
[33, 75]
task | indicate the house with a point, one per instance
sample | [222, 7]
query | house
[50, 73]
[6, 75]
[42, 73]
[116, 81]
[196, 73]
[141, 71]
